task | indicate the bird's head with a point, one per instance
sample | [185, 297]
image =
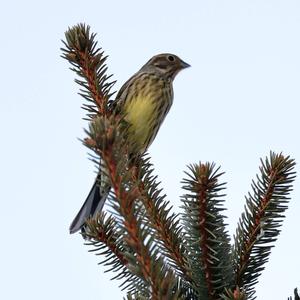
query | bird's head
[166, 64]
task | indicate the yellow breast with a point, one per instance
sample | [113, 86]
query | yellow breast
[140, 113]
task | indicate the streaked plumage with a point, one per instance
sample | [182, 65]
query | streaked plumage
[145, 98]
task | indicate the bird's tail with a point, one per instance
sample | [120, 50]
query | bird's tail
[92, 205]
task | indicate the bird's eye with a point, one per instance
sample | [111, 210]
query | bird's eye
[171, 58]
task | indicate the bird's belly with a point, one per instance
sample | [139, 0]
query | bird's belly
[142, 115]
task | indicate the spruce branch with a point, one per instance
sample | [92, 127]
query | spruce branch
[206, 236]
[109, 138]
[258, 225]
[89, 63]
[164, 224]
[104, 235]
[103, 228]
[109, 146]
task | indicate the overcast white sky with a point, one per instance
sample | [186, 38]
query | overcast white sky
[239, 100]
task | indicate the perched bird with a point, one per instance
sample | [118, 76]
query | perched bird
[145, 99]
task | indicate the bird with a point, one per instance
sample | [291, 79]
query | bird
[145, 99]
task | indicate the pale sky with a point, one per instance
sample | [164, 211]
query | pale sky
[238, 101]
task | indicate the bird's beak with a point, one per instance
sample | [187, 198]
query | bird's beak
[184, 65]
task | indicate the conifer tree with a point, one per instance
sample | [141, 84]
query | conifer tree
[155, 253]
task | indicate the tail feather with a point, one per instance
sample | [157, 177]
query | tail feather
[93, 204]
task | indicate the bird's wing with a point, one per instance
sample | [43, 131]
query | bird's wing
[123, 92]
